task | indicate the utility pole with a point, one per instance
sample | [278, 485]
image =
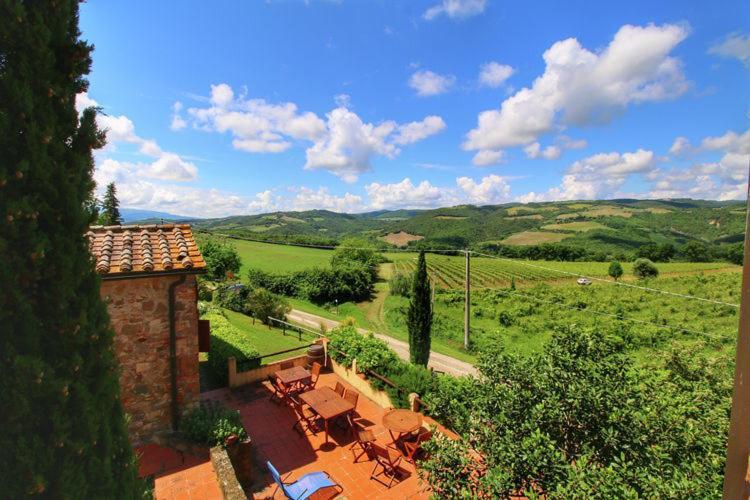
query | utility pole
[737, 467]
[467, 304]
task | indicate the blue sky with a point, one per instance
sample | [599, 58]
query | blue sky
[218, 108]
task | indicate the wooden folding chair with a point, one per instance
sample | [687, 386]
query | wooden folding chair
[388, 458]
[277, 393]
[413, 445]
[305, 417]
[340, 389]
[363, 438]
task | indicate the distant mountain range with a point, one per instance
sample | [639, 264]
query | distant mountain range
[607, 225]
[130, 215]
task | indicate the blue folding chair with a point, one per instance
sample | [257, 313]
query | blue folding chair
[304, 486]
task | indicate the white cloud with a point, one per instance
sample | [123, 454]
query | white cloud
[178, 122]
[343, 143]
[428, 83]
[534, 150]
[221, 95]
[490, 190]
[723, 179]
[83, 101]
[411, 132]
[343, 100]
[597, 176]
[121, 129]
[580, 87]
[494, 74]
[488, 157]
[404, 194]
[455, 9]
[735, 45]
[309, 199]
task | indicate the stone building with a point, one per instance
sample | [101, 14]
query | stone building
[149, 284]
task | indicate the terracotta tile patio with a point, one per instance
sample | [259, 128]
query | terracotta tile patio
[178, 475]
[269, 425]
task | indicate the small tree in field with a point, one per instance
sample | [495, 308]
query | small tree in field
[644, 268]
[615, 270]
[264, 305]
[220, 258]
[110, 213]
[419, 316]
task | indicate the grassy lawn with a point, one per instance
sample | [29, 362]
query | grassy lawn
[267, 340]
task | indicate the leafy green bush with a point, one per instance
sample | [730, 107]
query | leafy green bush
[644, 268]
[400, 284]
[580, 420]
[262, 304]
[220, 258]
[226, 342]
[348, 281]
[212, 425]
[371, 353]
[232, 296]
[615, 270]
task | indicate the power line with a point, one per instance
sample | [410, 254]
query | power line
[620, 283]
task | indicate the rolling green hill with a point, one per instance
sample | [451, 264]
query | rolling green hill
[610, 226]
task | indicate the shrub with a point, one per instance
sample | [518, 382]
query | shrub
[212, 425]
[615, 270]
[371, 353]
[226, 342]
[220, 258]
[262, 304]
[205, 291]
[644, 268]
[232, 296]
[400, 284]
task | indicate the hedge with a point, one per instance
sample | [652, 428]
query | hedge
[371, 353]
[226, 342]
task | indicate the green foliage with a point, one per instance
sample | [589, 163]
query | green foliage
[357, 251]
[579, 420]
[419, 314]
[262, 304]
[400, 284]
[371, 353]
[615, 270]
[220, 258]
[226, 342]
[64, 431]
[110, 212]
[695, 251]
[644, 269]
[662, 252]
[232, 296]
[349, 280]
[212, 425]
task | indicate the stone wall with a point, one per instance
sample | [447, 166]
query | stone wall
[139, 312]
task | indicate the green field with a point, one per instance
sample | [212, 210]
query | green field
[546, 297]
[267, 340]
[277, 258]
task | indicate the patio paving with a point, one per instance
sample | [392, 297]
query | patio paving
[269, 425]
[178, 475]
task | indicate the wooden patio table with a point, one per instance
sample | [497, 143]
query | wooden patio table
[293, 376]
[401, 421]
[327, 404]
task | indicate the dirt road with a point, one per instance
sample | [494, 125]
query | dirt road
[439, 362]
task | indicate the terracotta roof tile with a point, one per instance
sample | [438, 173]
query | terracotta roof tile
[144, 249]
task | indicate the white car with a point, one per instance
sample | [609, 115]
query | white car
[583, 281]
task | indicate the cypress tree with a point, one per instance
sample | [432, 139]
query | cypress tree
[110, 215]
[63, 429]
[419, 316]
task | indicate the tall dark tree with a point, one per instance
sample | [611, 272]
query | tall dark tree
[419, 316]
[110, 213]
[63, 428]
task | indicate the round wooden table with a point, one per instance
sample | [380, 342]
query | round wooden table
[401, 421]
